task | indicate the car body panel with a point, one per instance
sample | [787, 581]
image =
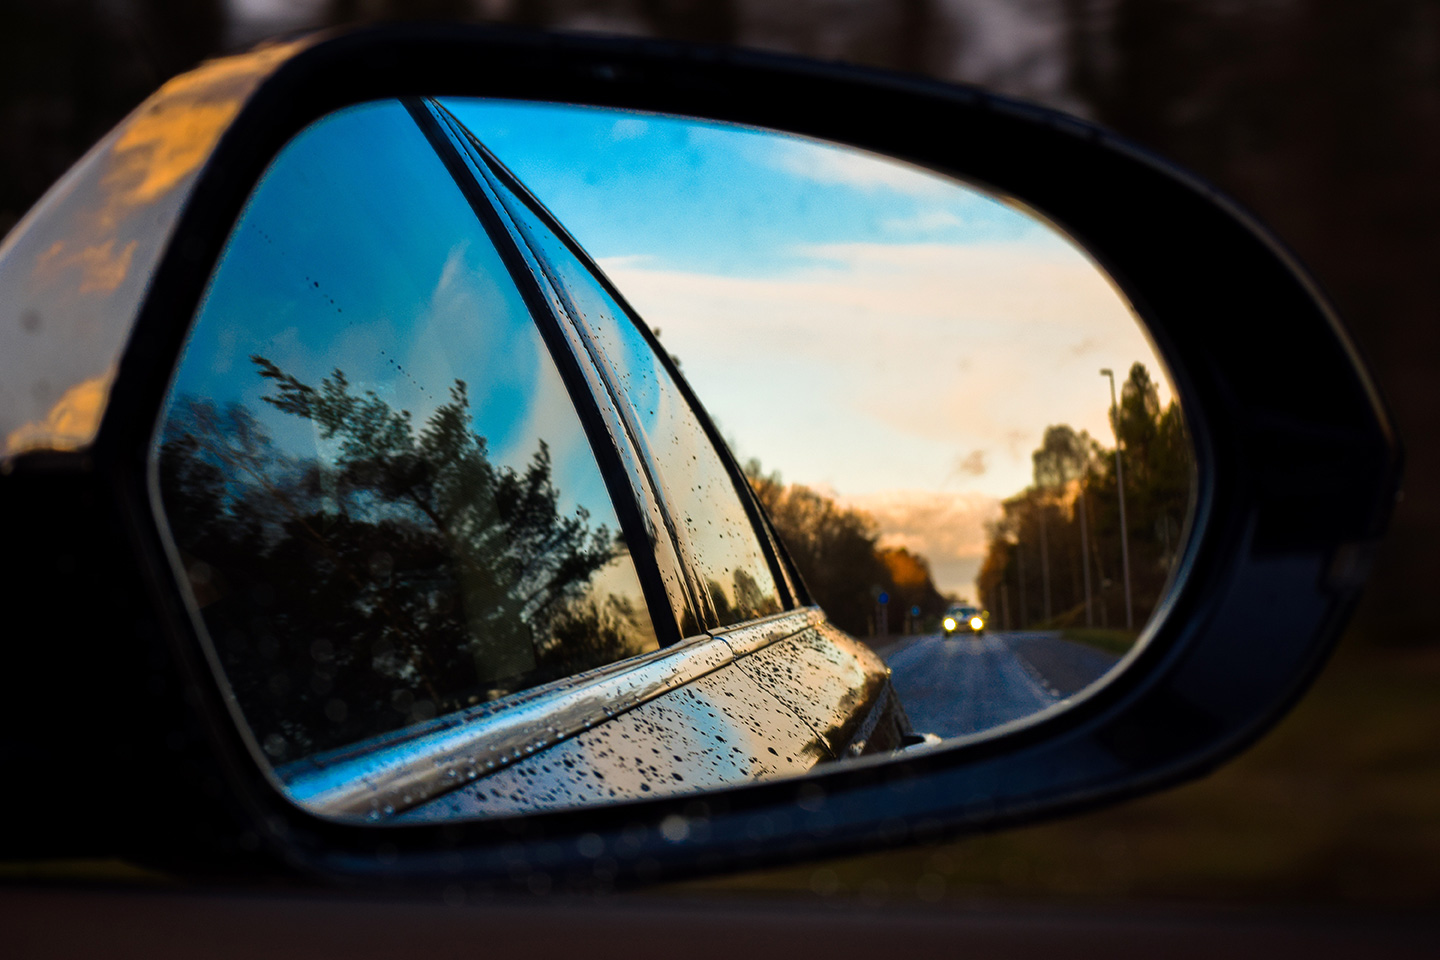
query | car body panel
[730, 710]
[832, 681]
[714, 731]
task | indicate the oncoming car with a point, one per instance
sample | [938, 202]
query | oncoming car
[962, 618]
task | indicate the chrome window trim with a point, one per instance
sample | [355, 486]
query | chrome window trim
[376, 778]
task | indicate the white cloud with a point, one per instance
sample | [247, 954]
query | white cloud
[855, 168]
[971, 464]
[612, 264]
[628, 128]
[926, 220]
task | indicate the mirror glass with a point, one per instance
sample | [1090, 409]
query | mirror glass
[525, 456]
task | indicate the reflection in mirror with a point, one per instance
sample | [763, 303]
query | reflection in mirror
[461, 542]
[379, 523]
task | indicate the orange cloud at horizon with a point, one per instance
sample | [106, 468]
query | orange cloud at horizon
[899, 365]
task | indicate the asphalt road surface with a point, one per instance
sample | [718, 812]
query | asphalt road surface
[964, 685]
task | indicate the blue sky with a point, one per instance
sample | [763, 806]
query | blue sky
[722, 199]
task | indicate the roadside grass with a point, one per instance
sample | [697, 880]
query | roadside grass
[1117, 642]
[1340, 804]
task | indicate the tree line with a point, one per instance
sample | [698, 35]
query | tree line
[838, 553]
[1055, 556]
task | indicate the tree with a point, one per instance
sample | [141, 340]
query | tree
[838, 555]
[401, 577]
[1062, 459]
[910, 584]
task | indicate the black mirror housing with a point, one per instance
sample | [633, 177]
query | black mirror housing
[1297, 470]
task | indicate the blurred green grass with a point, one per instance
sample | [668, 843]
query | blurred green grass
[1339, 804]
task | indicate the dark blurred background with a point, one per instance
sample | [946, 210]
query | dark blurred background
[1323, 116]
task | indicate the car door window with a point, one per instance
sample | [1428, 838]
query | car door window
[733, 571]
[374, 478]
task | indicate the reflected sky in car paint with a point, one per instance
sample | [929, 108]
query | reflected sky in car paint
[910, 329]
[76, 268]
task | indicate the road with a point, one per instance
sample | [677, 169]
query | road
[955, 687]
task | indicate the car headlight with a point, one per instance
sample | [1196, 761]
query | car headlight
[976, 623]
[949, 623]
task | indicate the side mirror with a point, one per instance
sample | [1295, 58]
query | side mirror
[408, 549]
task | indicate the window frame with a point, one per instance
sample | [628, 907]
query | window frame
[790, 591]
[623, 496]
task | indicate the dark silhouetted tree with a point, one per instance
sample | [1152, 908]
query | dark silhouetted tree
[403, 576]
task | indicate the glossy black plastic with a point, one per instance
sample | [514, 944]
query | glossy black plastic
[1297, 470]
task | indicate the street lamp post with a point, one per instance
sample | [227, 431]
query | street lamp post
[1120, 486]
[1044, 566]
[1085, 542]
